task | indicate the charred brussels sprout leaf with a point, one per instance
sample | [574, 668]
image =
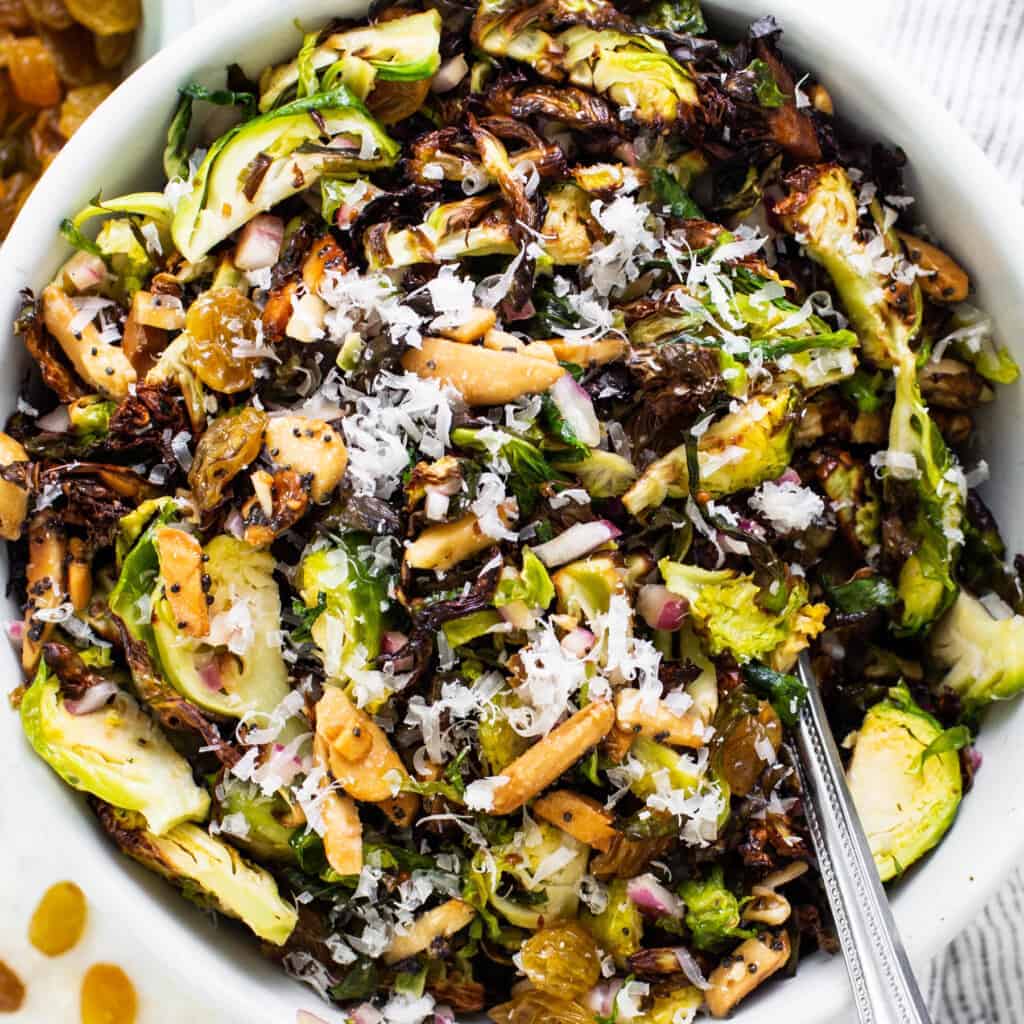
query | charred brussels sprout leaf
[228, 676]
[886, 312]
[530, 469]
[115, 753]
[724, 607]
[619, 928]
[680, 17]
[213, 872]
[905, 801]
[233, 183]
[984, 566]
[348, 632]
[712, 911]
[983, 657]
[633, 71]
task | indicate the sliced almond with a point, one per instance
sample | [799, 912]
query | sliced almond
[102, 365]
[311, 446]
[480, 375]
[948, 282]
[478, 323]
[79, 574]
[579, 816]
[444, 546]
[751, 963]
[589, 353]
[358, 751]
[45, 583]
[502, 341]
[440, 923]
[181, 566]
[343, 834]
[13, 499]
[531, 773]
[660, 722]
[163, 311]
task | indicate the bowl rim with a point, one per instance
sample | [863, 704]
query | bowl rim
[33, 241]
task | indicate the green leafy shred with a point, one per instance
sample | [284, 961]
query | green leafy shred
[863, 595]
[673, 196]
[785, 692]
[769, 94]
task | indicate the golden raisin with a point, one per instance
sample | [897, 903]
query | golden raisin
[50, 12]
[79, 104]
[561, 960]
[73, 54]
[107, 17]
[108, 996]
[219, 322]
[59, 920]
[33, 72]
[533, 1007]
[12, 991]
[13, 14]
[112, 51]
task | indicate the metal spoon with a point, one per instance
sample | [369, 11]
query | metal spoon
[885, 990]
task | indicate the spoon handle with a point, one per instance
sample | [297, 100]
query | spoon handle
[884, 988]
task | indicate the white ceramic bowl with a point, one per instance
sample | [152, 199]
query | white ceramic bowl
[961, 198]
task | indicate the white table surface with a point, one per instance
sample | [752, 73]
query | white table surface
[969, 53]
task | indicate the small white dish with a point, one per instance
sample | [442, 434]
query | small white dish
[962, 198]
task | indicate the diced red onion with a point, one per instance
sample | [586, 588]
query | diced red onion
[94, 698]
[577, 410]
[652, 898]
[660, 608]
[518, 614]
[690, 968]
[85, 271]
[16, 630]
[259, 244]
[974, 757]
[791, 476]
[57, 421]
[211, 677]
[449, 74]
[393, 641]
[579, 540]
[234, 525]
[578, 642]
[444, 1015]
[601, 998]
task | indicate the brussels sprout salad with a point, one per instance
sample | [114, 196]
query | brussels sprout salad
[420, 505]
